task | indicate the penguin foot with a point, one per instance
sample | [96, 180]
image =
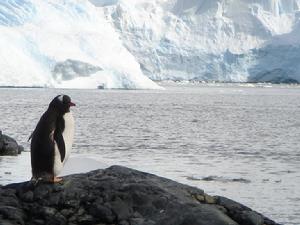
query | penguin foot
[35, 181]
[57, 179]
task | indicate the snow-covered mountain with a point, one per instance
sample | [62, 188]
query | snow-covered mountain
[115, 43]
[223, 40]
[59, 43]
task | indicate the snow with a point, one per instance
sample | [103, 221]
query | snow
[36, 36]
[209, 39]
[123, 43]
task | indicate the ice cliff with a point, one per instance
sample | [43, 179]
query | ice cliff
[115, 43]
[223, 40]
[68, 44]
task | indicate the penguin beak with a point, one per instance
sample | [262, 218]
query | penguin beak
[72, 104]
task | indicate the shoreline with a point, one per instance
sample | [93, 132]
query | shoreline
[171, 83]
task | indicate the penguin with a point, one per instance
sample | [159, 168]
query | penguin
[52, 140]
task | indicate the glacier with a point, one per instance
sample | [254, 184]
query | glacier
[130, 43]
[64, 44]
[210, 40]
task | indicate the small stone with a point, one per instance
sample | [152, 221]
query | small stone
[200, 198]
[210, 199]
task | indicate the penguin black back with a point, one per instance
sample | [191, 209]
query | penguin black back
[46, 135]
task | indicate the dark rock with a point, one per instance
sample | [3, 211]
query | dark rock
[67, 212]
[6, 222]
[121, 209]
[120, 196]
[9, 201]
[12, 214]
[86, 219]
[8, 146]
[38, 222]
[42, 191]
[72, 203]
[20, 149]
[1, 140]
[55, 199]
[70, 69]
[51, 216]
[241, 213]
[251, 218]
[141, 221]
[102, 213]
[124, 222]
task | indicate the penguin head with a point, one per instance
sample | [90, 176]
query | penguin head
[61, 104]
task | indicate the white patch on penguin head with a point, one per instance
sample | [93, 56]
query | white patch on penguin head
[60, 98]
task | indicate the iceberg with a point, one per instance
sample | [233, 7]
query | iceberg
[64, 44]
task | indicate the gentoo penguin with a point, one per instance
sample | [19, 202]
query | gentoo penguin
[52, 140]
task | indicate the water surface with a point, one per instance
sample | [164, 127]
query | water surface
[236, 141]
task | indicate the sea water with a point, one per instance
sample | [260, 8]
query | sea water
[238, 141]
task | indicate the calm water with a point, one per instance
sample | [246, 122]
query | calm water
[239, 142]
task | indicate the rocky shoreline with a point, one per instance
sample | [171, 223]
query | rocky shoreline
[9, 146]
[119, 196]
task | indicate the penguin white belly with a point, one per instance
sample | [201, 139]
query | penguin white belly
[68, 135]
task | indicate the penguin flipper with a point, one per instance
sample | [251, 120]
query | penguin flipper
[58, 137]
[30, 137]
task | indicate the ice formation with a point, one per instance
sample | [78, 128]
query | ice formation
[115, 43]
[236, 40]
[66, 44]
